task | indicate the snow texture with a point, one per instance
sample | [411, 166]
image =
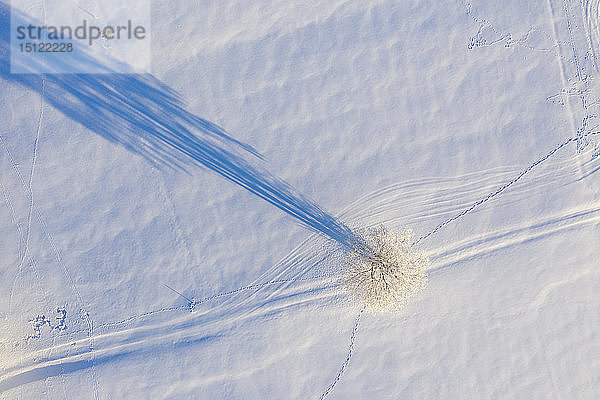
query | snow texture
[187, 234]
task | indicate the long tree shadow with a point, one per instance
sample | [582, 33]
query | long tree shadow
[148, 118]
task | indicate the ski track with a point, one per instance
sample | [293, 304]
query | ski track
[190, 307]
[581, 134]
[504, 187]
[41, 221]
[306, 254]
[491, 242]
[376, 207]
[468, 248]
[181, 328]
[23, 255]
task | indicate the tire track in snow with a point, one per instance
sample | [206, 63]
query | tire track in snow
[471, 208]
[186, 327]
[194, 304]
[503, 187]
[408, 202]
[295, 257]
[491, 242]
[188, 307]
[251, 310]
[443, 196]
[385, 201]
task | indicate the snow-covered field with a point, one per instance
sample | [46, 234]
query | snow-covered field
[147, 253]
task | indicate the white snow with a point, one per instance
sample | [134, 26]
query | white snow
[475, 125]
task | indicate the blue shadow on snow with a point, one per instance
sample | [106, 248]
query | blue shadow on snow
[148, 118]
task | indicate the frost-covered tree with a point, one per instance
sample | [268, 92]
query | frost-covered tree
[391, 271]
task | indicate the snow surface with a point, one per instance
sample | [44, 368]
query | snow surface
[475, 125]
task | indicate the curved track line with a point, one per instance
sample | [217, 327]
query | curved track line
[58, 257]
[503, 187]
[505, 239]
[184, 328]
